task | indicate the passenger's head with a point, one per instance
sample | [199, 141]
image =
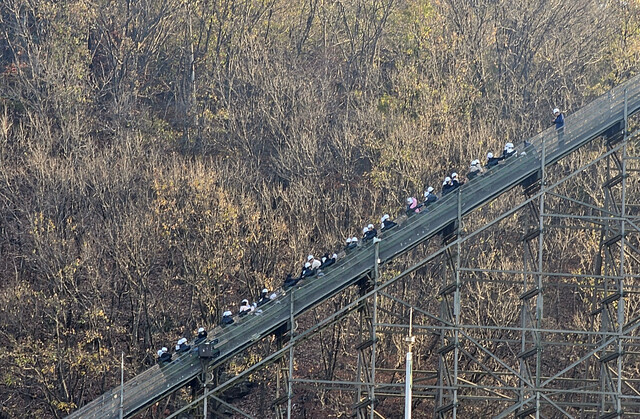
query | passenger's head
[164, 349]
[226, 314]
[310, 257]
[556, 111]
[370, 226]
[354, 240]
[245, 302]
[307, 265]
[409, 200]
[182, 340]
[430, 189]
[454, 175]
[349, 240]
[159, 352]
[489, 155]
[265, 291]
[201, 330]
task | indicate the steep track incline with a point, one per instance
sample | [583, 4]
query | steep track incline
[604, 116]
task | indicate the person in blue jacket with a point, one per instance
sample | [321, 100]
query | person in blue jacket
[559, 121]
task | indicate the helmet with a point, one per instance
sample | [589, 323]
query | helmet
[370, 226]
[364, 230]
[556, 110]
[264, 290]
[447, 179]
[454, 175]
[182, 340]
[489, 155]
[226, 314]
[348, 240]
[245, 301]
[354, 240]
[508, 145]
[409, 200]
[201, 330]
[309, 257]
[307, 265]
[164, 349]
[159, 352]
[430, 189]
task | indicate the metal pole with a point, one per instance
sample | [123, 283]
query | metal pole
[121, 385]
[456, 312]
[374, 319]
[205, 377]
[408, 385]
[539, 297]
[290, 384]
[621, 302]
[204, 404]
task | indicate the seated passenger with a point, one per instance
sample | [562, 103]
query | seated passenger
[412, 206]
[290, 281]
[492, 161]
[429, 197]
[264, 297]
[227, 318]
[386, 223]
[245, 308]
[346, 247]
[315, 264]
[447, 186]
[354, 242]
[349, 245]
[328, 260]
[182, 345]
[158, 360]
[307, 272]
[508, 151]
[202, 335]
[165, 357]
[455, 181]
[369, 233]
[474, 170]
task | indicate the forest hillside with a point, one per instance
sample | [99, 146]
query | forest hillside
[161, 160]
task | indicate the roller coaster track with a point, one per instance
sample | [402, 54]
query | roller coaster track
[606, 115]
